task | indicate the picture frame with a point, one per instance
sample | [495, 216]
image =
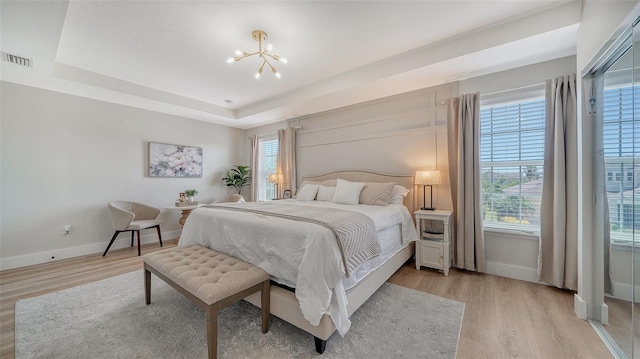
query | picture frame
[286, 194]
[168, 160]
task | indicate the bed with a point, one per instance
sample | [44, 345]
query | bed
[332, 278]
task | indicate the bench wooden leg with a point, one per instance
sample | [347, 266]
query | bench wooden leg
[147, 286]
[212, 331]
[266, 305]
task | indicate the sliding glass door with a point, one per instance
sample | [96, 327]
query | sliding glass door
[635, 200]
[615, 110]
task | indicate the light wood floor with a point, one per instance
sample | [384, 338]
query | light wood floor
[503, 318]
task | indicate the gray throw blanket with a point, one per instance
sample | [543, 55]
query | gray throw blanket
[355, 233]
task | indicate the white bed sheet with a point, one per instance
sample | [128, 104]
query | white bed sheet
[306, 256]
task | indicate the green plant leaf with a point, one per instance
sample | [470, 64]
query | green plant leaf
[238, 177]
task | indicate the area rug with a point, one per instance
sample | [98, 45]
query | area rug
[109, 319]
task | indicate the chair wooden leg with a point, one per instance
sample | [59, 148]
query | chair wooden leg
[131, 238]
[159, 235]
[111, 242]
[138, 242]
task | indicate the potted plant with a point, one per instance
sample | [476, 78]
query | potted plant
[190, 193]
[238, 177]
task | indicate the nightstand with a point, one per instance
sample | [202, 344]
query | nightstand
[432, 250]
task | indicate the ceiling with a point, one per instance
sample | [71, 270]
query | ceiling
[170, 56]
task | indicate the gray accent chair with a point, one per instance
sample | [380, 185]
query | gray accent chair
[133, 217]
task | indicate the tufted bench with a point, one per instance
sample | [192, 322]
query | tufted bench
[210, 279]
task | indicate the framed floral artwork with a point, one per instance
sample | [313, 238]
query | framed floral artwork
[174, 160]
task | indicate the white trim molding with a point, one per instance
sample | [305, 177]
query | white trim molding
[512, 271]
[604, 314]
[70, 252]
[579, 306]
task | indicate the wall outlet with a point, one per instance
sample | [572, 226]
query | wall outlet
[66, 229]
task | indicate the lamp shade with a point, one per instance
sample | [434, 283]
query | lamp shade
[428, 177]
[275, 178]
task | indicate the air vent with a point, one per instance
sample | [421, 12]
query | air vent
[18, 60]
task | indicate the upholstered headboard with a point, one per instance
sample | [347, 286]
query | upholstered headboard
[368, 176]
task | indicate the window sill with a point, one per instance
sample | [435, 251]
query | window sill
[625, 247]
[524, 234]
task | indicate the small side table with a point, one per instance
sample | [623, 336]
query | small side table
[432, 250]
[186, 211]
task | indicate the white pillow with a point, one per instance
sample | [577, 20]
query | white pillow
[325, 193]
[308, 192]
[377, 194]
[398, 194]
[347, 192]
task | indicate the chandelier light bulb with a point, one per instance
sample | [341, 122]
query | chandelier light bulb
[269, 47]
[230, 60]
[239, 53]
[278, 75]
[284, 60]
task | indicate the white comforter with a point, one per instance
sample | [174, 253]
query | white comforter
[298, 254]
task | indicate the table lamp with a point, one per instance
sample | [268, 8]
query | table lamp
[428, 178]
[275, 178]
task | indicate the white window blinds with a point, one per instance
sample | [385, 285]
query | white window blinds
[268, 156]
[621, 149]
[511, 161]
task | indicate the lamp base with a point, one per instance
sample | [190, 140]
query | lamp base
[427, 209]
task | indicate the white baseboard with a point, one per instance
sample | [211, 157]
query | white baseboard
[623, 291]
[579, 306]
[604, 314]
[70, 252]
[512, 271]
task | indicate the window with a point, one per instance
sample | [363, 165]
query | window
[511, 163]
[620, 148]
[267, 158]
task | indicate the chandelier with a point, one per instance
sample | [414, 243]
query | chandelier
[264, 54]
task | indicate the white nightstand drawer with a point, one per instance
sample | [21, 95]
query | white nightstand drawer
[431, 254]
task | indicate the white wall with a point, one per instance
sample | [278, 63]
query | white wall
[64, 157]
[519, 77]
[398, 135]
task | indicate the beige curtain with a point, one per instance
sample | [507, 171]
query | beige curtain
[255, 147]
[286, 162]
[558, 256]
[463, 134]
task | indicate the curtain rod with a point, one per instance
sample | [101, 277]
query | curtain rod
[299, 127]
[512, 89]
